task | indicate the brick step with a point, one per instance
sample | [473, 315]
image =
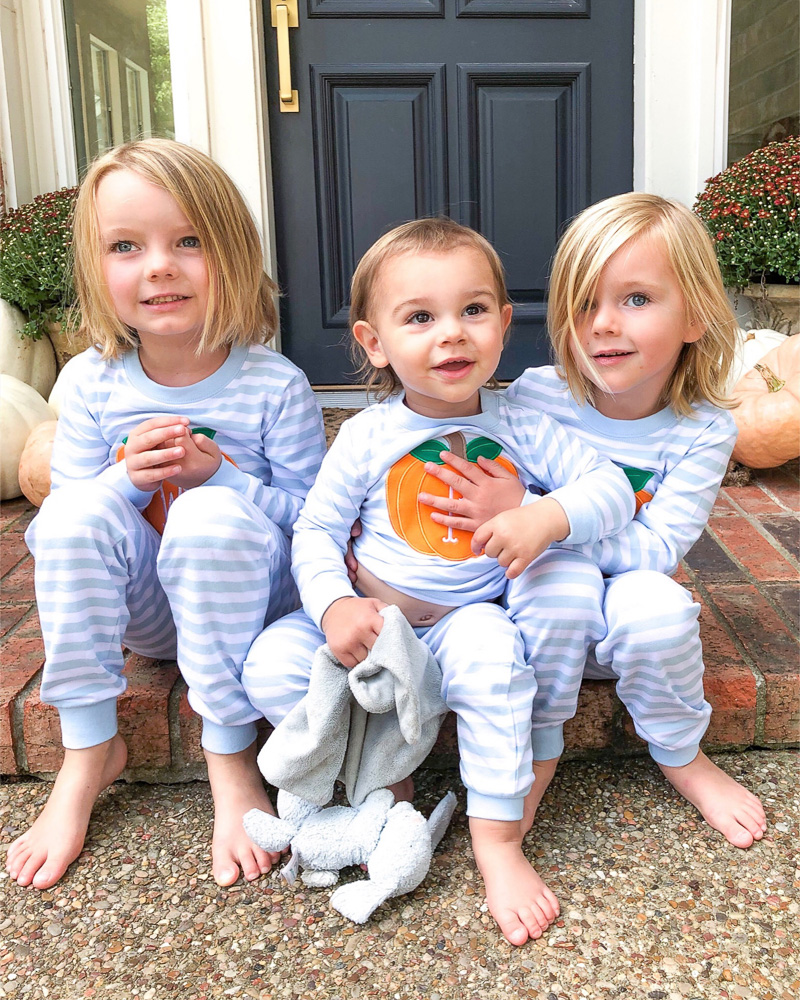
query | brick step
[743, 570]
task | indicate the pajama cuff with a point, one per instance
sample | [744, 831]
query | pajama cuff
[548, 742]
[674, 758]
[227, 739]
[493, 807]
[88, 725]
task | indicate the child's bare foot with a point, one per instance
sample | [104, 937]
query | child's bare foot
[42, 854]
[723, 802]
[518, 899]
[237, 787]
[403, 791]
[543, 771]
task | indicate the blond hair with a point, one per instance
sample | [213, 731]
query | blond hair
[241, 306]
[702, 369]
[434, 235]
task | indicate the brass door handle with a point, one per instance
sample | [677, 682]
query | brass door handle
[284, 16]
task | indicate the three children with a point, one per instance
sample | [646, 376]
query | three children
[183, 405]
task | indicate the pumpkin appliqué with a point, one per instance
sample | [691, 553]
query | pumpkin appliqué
[639, 478]
[407, 478]
[158, 508]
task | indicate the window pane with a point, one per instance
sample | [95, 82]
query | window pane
[765, 74]
[120, 72]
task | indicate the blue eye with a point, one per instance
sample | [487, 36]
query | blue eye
[192, 242]
[638, 299]
[121, 246]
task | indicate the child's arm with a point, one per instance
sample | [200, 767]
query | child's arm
[667, 526]
[592, 493]
[293, 441]
[321, 534]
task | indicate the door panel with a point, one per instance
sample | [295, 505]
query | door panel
[508, 115]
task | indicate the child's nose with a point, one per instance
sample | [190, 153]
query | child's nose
[451, 329]
[604, 318]
[160, 262]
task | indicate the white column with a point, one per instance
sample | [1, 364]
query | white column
[681, 55]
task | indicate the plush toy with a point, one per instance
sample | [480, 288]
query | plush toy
[368, 727]
[394, 841]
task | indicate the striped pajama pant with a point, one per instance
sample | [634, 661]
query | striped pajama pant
[200, 595]
[485, 681]
[639, 628]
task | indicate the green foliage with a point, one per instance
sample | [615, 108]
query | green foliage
[35, 264]
[160, 79]
[750, 209]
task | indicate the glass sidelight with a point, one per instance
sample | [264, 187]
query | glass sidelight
[119, 68]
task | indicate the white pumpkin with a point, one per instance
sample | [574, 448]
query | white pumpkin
[21, 409]
[751, 346]
[31, 361]
[62, 387]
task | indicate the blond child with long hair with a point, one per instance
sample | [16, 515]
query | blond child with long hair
[643, 337]
[183, 454]
[429, 312]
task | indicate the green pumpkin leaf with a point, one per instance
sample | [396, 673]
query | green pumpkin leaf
[482, 447]
[638, 478]
[430, 451]
[209, 433]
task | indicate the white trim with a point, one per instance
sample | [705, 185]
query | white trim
[114, 95]
[141, 91]
[44, 154]
[681, 58]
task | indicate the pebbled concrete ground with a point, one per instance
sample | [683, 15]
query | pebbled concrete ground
[655, 904]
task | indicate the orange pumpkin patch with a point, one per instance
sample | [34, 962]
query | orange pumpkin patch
[407, 478]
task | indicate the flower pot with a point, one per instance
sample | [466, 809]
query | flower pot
[777, 305]
[66, 345]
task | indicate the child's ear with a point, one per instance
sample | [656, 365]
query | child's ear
[370, 341]
[694, 332]
[505, 315]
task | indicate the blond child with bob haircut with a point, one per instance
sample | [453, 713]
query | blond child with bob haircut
[430, 313]
[184, 451]
[643, 336]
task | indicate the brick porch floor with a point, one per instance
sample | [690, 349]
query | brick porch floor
[743, 570]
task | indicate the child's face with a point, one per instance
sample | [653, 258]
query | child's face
[634, 330]
[438, 322]
[156, 273]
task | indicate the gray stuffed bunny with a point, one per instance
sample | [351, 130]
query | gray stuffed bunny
[394, 840]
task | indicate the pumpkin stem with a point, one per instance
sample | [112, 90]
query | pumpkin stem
[457, 443]
[774, 384]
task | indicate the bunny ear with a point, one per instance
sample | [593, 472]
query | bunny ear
[268, 832]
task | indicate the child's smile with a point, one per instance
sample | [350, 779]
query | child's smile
[634, 331]
[437, 320]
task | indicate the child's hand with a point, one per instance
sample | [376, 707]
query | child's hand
[201, 460]
[486, 491]
[153, 450]
[516, 537]
[351, 626]
[350, 560]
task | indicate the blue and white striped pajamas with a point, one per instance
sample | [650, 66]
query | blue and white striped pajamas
[486, 679]
[204, 590]
[618, 614]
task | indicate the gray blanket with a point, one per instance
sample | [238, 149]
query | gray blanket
[369, 726]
